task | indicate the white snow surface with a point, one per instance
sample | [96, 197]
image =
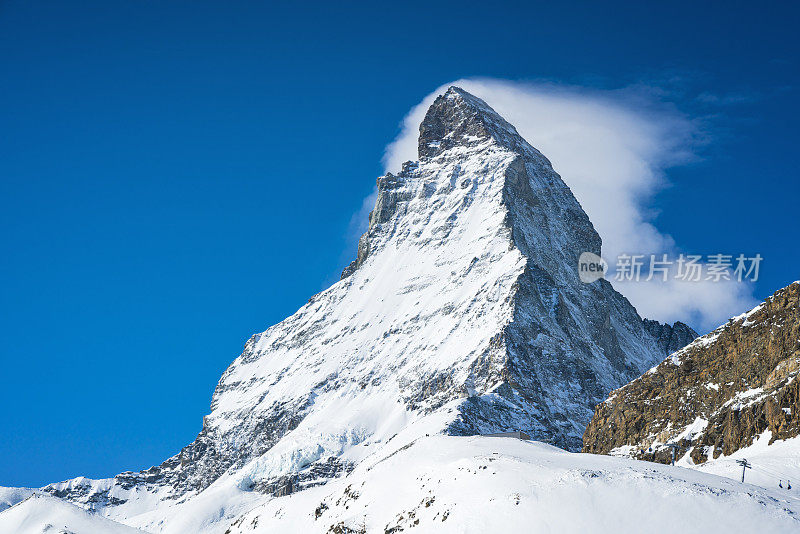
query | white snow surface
[771, 464]
[43, 514]
[480, 484]
[11, 496]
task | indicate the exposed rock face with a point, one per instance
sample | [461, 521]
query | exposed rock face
[463, 305]
[715, 395]
[670, 337]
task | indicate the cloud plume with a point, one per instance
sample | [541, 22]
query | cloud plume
[612, 148]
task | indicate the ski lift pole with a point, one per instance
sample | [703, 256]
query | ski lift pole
[674, 447]
[745, 465]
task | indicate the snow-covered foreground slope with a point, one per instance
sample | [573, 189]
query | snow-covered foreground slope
[771, 464]
[480, 484]
[43, 514]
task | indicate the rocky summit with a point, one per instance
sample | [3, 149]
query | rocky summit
[715, 396]
[462, 314]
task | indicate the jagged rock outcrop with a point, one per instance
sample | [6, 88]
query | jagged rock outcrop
[463, 306]
[670, 337]
[714, 396]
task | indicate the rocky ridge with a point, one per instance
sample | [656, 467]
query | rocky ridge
[716, 395]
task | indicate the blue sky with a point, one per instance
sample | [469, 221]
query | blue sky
[176, 176]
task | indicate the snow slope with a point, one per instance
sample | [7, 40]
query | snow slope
[11, 496]
[43, 514]
[480, 484]
[779, 462]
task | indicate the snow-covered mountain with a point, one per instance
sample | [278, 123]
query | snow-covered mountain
[43, 514]
[463, 309]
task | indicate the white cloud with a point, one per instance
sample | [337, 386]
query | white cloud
[611, 148]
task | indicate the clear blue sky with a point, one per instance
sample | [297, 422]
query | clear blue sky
[175, 176]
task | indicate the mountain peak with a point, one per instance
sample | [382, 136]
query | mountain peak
[463, 313]
[459, 118]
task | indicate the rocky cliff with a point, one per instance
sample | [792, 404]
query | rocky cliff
[714, 396]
